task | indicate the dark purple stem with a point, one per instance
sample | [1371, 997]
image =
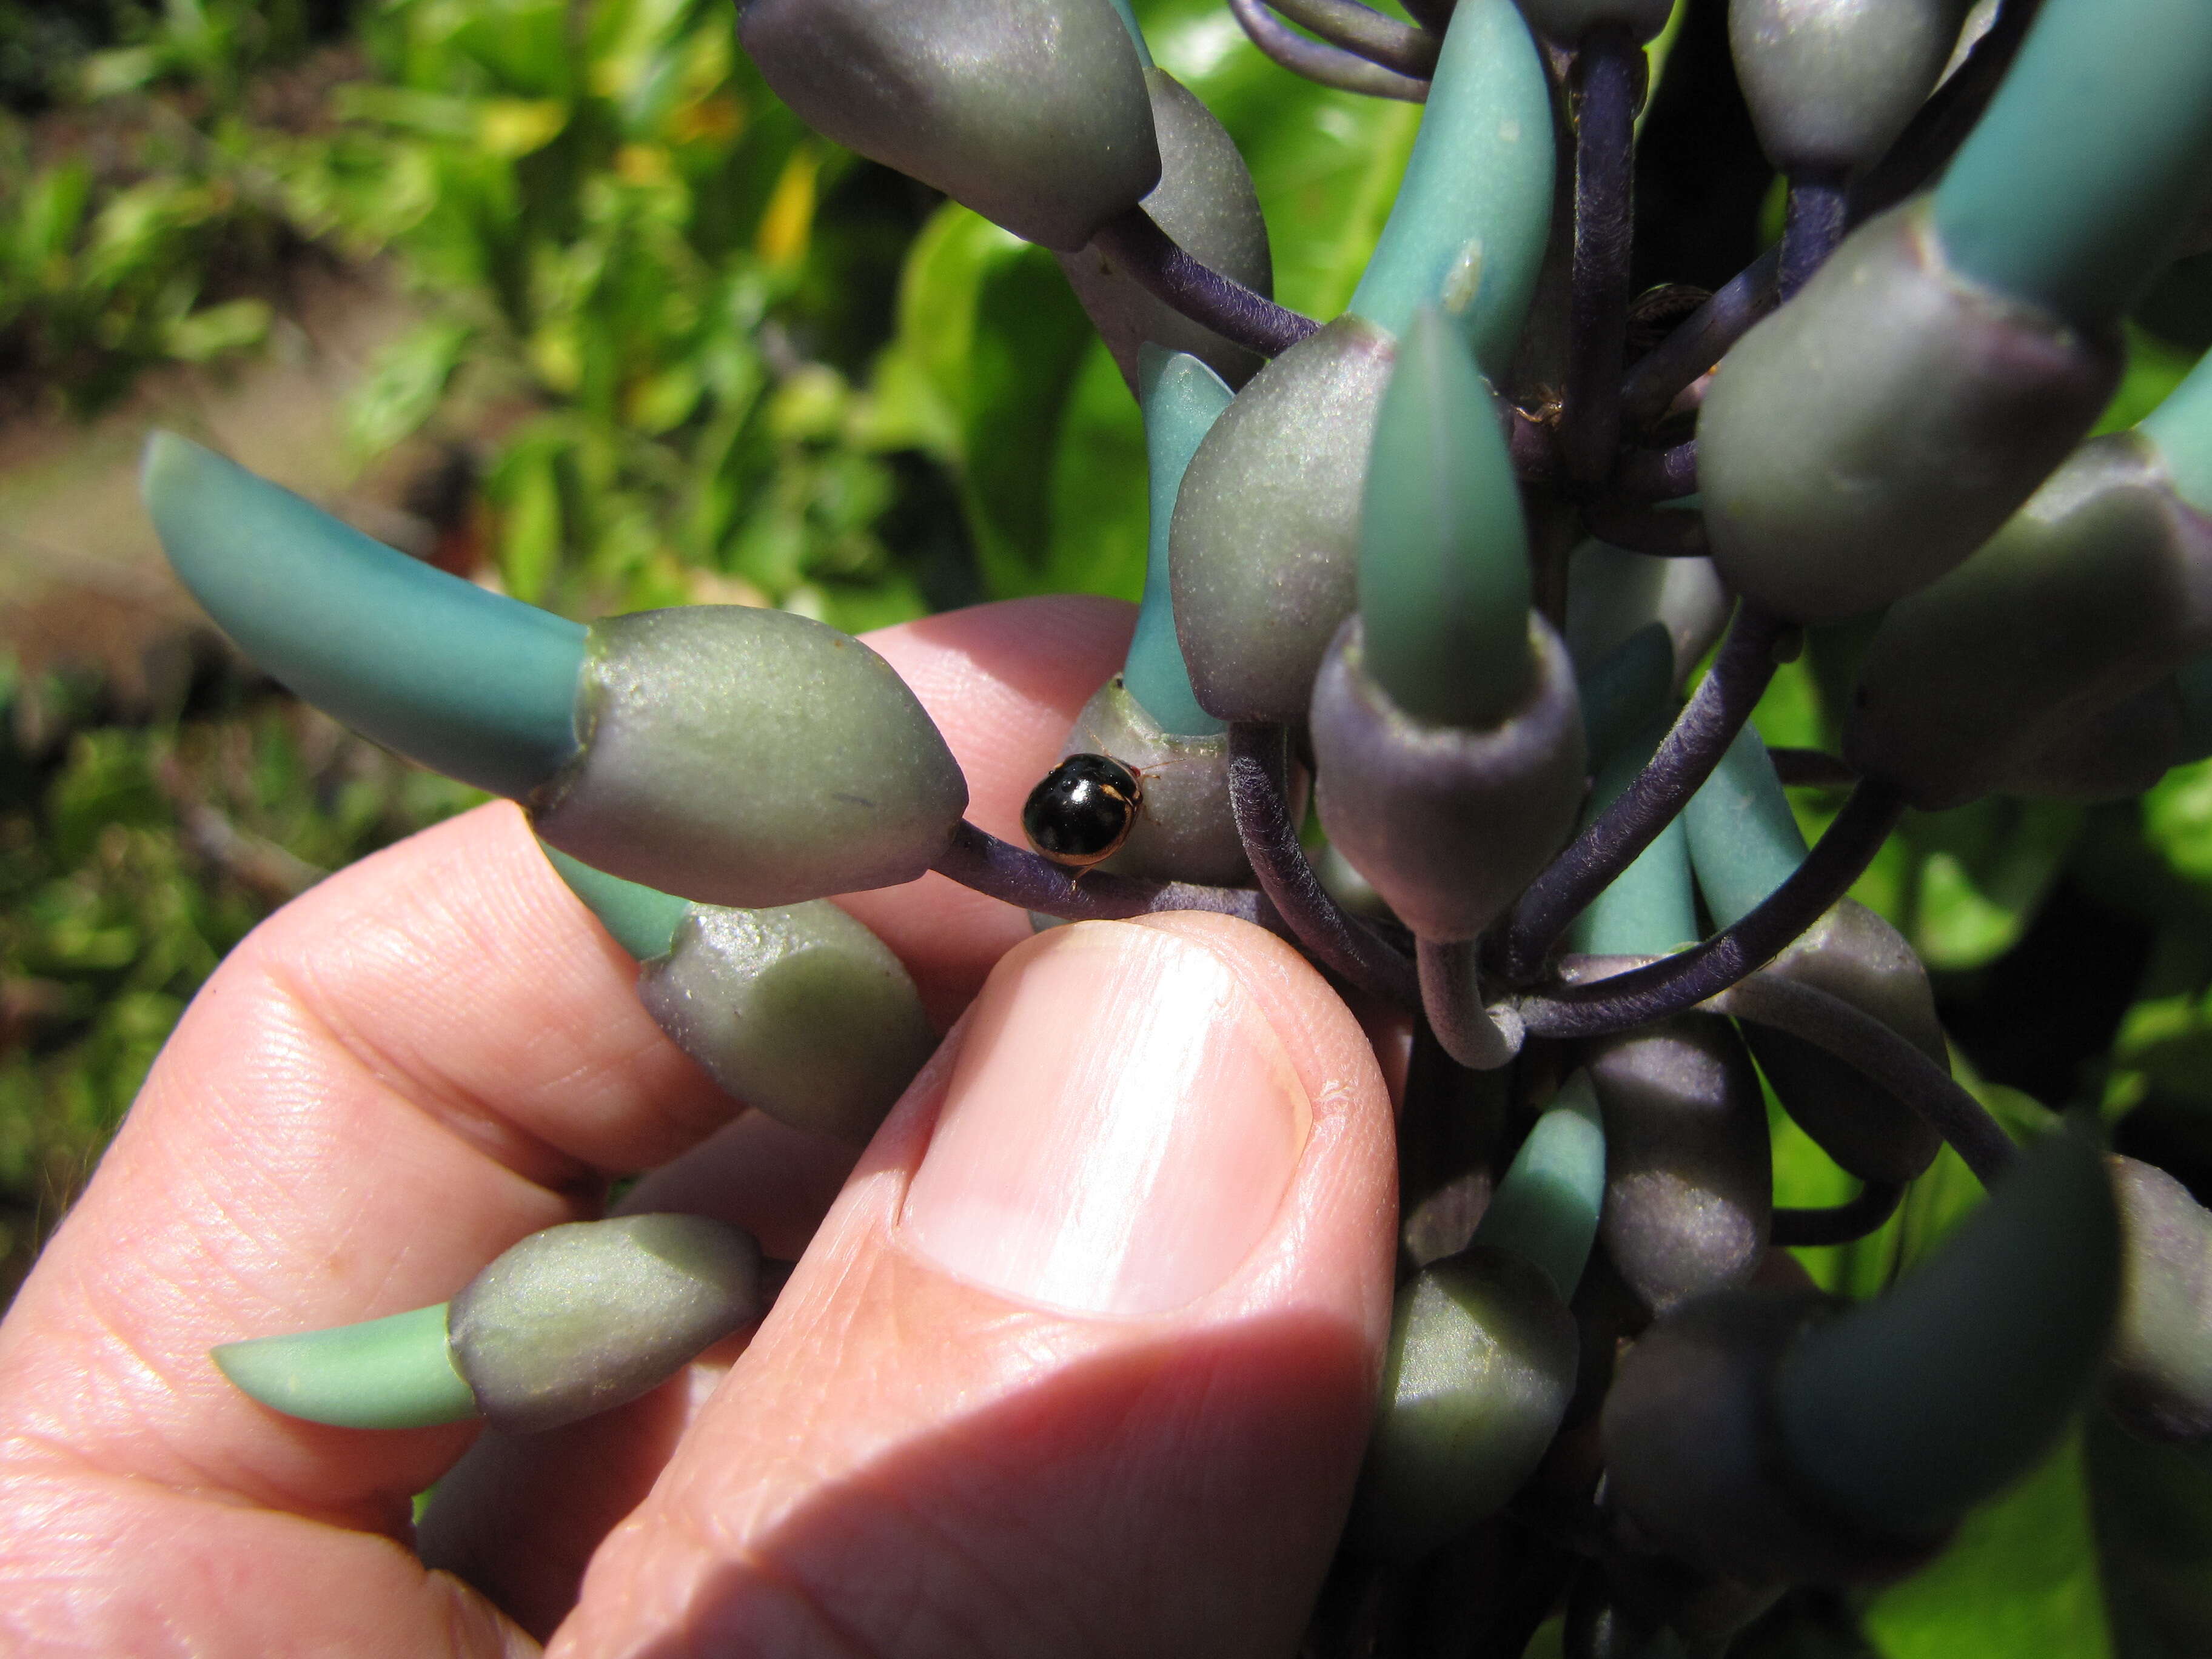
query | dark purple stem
[1702, 340]
[1607, 78]
[1814, 226]
[1839, 1224]
[1321, 63]
[1662, 532]
[1451, 997]
[1366, 32]
[1946, 119]
[1891, 1062]
[1701, 735]
[1812, 768]
[1668, 985]
[1655, 475]
[975, 858]
[1532, 445]
[1259, 790]
[1149, 256]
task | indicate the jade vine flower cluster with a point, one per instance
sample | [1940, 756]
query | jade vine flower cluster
[1444, 566]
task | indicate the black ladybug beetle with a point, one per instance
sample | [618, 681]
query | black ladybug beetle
[1083, 809]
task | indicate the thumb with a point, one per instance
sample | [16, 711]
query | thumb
[1082, 1361]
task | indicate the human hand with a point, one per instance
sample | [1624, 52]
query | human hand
[1078, 1359]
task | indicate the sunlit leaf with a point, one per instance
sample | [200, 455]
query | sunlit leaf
[1984, 870]
[2019, 1578]
[2178, 819]
[405, 384]
[208, 333]
[515, 127]
[1100, 514]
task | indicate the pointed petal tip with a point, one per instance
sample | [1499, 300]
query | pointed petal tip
[642, 919]
[391, 1373]
[469, 682]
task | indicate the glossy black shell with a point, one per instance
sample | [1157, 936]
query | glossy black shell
[1083, 809]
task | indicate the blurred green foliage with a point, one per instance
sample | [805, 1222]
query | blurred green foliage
[727, 351]
[657, 291]
[131, 858]
[145, 214]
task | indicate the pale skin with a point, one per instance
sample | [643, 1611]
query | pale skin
[438, 1051]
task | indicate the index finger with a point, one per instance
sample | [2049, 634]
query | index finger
[431, 1054]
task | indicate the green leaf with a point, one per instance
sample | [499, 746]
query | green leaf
[2154, 367]
[2019, 1578]
[52, 212]
[125, 69]
[404, 385]
[2178, 820]
[1030, 338]
[515, 127]
[921, 381]
[208, 333]
[531, 534]
[1984, 871]
[1099, 507]
[431, 114]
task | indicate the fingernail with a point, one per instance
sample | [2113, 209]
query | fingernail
[1120, 1128]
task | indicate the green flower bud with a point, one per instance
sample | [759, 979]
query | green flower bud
[749, 757]
[1478, 1373]
[1770, 1438]
[1852, 953]
[572, 1320]
[1831, 84]
[1181, 399]
[1689, 1173]
[1206, 202]
[1033, 112]
[1744, 843]
[1264, 543]
[1547, 1204]
[1624, 691]
[1449, 824]
[2181, 428]
[643, 921]
[2100, 586]
[1903, 1413]
[2159, 1383]
[1872, 433]
[2083, 176]
[1688, 1427]
[1651, 907]
[799, 1011]
[391, 1373]
[1612, 595]
[578, 1319]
